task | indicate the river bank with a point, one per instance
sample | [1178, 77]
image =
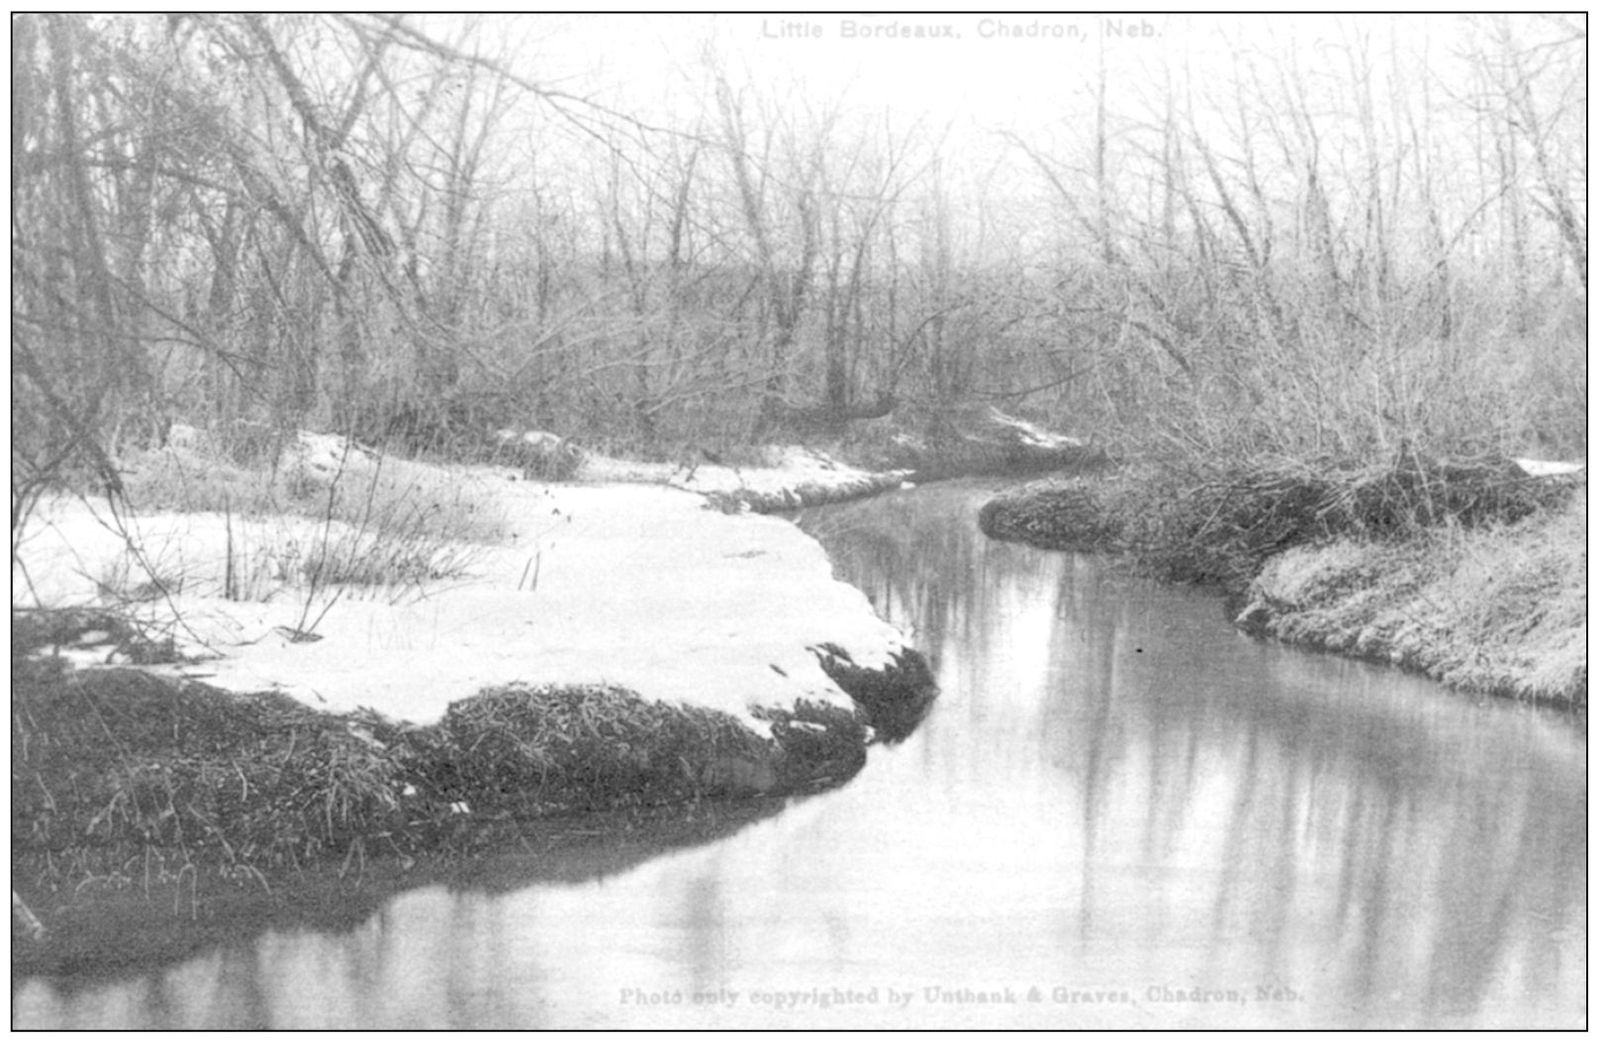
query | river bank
[402, 661]
[1472, 575]
[1107, 752]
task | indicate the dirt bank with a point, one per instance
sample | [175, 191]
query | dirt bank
[1473, 575]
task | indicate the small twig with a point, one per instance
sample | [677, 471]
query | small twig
[322, 614]
[23, 918]
[314, 578]
[229, 591]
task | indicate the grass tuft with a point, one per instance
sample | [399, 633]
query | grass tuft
[596, 746]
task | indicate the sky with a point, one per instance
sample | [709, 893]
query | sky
[968, 67]
[1020, 71]
[965, 78]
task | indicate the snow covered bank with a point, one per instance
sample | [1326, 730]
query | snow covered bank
[639, 586]
[437, 663]
[789, 478]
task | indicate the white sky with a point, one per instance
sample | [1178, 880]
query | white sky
[978, 71]
[1031, 74]
[973, 75]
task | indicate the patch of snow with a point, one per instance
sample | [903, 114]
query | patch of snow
[533, 439]
[1030, 434]
[783, 468]
[183, 436]
[1547, 468]
[84, 658]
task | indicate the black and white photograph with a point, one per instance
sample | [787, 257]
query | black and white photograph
[626, 521]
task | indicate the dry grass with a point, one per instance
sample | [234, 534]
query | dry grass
[1499, 609]
[1519, 597]
[594, 746]
[1220, 522]
[112, 766]
[1469, 572]
[351, 485]
[192, 480]
[122, 779]
[381, 523]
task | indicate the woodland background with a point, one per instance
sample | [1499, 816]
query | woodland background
[374, 225]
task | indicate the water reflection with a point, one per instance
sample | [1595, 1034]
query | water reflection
[1117, 801]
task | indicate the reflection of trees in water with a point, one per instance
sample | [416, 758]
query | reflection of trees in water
[706, 943]
[1358, 815]
[1428, 826]
[367, 952]
[914, 564]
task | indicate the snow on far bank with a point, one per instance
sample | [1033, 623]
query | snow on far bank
[637, 585]
[1547, 468]
[784, 467]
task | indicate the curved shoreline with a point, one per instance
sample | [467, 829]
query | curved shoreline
[210, 802]
[1494, 609]
[209, 798]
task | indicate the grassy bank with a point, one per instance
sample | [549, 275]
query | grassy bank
[124, 781]
[1473, 573]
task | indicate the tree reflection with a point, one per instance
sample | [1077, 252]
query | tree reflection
[1114, 789]
[1424, 825]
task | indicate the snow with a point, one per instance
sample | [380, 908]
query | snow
[783, 467]
[1030, 434]
[634, 584]
[1547, 468]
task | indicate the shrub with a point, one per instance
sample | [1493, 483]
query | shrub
[542, 455]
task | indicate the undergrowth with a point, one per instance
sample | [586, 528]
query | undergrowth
[319, 477]
[317, 516]
[1218, 523]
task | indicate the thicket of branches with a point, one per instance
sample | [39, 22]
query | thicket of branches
[257, 222]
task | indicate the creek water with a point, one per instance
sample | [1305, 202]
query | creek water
[1119, 813]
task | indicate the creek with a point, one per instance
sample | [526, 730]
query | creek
[1120, 812]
